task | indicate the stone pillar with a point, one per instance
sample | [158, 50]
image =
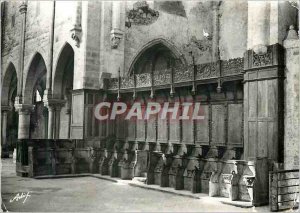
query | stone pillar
[57, 121]
[291, 103]
[117, 35]
[24, 111]
[54, 107]
[258, 25]
[50, 122]
[48, 92]
[68, 112]
[4, 126]
[23, 11]
[4, 110]
[76, 31]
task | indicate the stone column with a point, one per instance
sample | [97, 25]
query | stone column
[76, 31]
[48, 92]
[291, 103]
[54, 107]
[4, 110]
[23, 11]
[50, 121]
[57, 121]
[68, 112]
[117, 35]
[116, 32]
[24, 111]
[258, 25]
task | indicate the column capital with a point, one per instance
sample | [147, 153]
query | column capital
[54, 104]
[24, 108]
[18, 100]
[47, 95]
[6, 108]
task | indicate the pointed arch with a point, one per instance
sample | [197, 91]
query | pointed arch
[157, 43]
[36, 74]
[64, 70]
[9, 85]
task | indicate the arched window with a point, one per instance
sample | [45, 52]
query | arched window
[156, 58]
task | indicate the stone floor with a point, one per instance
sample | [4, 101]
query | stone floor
[92, 194]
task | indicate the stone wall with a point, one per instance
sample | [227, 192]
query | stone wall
[92, 61]
[183, 25]
[291, 105]
[233, 29]
[10, 36]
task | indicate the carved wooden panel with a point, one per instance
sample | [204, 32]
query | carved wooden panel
[151, 128]
[174, 133]
[262, 111]
[120, 127]
[187, 131]
[162, 129]
[235, 124]
[140, 130]
[202, 126]
[218, 124]
[102, 128]
[252, 96]
[262, 99]
[262, 140]
[252, 131]
[131, 128]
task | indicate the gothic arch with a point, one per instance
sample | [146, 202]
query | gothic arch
[157, 42]
[36, 74]
[64, 68]
[9, 85]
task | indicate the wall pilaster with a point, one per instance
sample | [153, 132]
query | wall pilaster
[24, 111]
[263, 103]
[291, 101]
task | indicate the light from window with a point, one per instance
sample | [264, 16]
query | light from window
[38, 97]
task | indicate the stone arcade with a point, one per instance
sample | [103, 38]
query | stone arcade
[239, 59]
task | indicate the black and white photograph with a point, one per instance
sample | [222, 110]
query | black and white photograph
[150, 106]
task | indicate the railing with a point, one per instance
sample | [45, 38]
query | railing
[179, 74]
[284, 189]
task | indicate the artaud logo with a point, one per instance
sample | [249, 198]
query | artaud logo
[141, 111]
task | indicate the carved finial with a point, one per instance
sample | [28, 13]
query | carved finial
[292, 34]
